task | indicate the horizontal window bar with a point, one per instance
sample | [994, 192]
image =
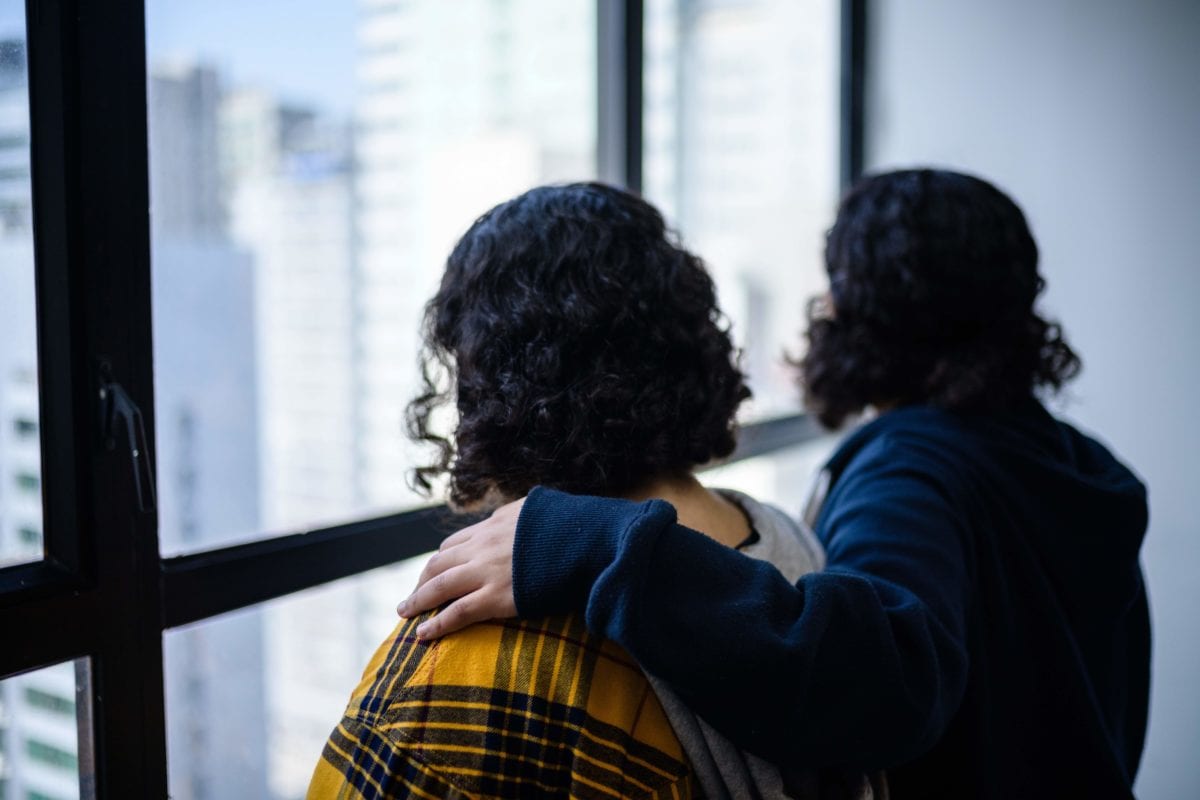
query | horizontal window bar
[772, 435]
[213, 582]
[47, 620]
[47, 616]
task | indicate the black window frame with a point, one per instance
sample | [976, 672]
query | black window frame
[103, 595]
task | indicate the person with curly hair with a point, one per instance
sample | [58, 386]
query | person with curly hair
[582, 349]
[980, 628]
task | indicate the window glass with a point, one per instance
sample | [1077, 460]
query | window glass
[741, 151]
[304, 199]
[252, 695]
[40, 720]
[20, 453]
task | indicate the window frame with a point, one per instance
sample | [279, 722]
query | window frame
[103, 593]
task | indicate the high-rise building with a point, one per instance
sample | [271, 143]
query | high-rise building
[287, 178]
[452, 118]
[38, 732]
[15, 200]
[38, 735]
[287, 184]
[185, 178]
[20, 444]
[206, 434]
[741, 152]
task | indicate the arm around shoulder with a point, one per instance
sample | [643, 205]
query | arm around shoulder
[864, 663]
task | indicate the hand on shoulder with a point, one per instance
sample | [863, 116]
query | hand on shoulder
[472, 571]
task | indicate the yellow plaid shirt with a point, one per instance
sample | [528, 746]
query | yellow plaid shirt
[503, 709]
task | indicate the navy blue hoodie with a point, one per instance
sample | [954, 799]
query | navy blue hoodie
[980, 629]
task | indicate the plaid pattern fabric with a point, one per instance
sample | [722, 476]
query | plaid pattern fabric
[503, 709]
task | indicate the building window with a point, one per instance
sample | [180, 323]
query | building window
[51, 755]
[49, 701]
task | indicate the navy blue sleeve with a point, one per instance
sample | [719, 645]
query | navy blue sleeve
[861, 665]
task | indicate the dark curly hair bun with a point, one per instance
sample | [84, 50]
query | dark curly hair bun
[933, 278]
[582, 347]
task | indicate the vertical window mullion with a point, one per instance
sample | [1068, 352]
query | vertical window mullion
[633, 34]
[619, 25]
[853, 88]
[105, 334]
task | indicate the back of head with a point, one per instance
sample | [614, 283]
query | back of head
[583, 348]
[933, 278]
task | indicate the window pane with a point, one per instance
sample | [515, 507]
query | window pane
[741, 150]
[304, 200]
[20, 453]
[40, 721]
[252, 695]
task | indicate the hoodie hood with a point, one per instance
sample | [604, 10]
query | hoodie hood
[1072, 497]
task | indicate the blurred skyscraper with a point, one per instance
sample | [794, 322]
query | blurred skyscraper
[207, 433]
[741, 150]
[287, 174]
[461, 105]
[451, 118]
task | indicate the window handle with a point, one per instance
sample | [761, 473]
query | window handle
[115, 404]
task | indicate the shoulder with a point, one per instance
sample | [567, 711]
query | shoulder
[905, 431]
[784, 540]
[509, 707]
[909, 471]
[921, 444]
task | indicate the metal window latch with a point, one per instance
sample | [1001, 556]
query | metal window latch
[115, 405]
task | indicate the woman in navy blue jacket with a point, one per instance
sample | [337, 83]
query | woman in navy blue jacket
[981, 627]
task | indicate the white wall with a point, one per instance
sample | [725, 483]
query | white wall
[1088, 112]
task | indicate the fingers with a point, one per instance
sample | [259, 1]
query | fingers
[441, 561]
[473, 568]
[475, 607]
[457, 615]
[440, 588]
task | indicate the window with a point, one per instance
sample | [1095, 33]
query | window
[51, 755]
[39, 739]
[203, 375]
[48, 701]
[252, 696]
[302, 213]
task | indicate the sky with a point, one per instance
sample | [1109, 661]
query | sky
[302, 50]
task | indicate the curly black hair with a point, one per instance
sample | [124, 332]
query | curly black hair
[583, 348]
[933, 278]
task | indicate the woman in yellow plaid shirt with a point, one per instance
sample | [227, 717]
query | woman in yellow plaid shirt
[584, 351]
